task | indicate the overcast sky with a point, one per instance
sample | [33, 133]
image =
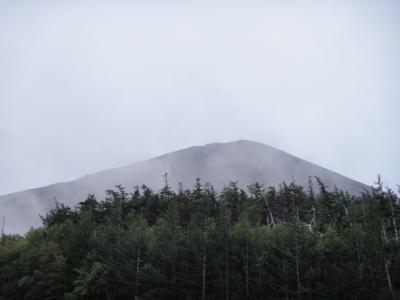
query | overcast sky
[91, 85]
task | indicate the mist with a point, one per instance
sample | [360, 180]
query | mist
[87, 86]
[215, 165]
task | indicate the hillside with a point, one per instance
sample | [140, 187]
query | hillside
[219, 163]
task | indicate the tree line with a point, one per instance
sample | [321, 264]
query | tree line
[289, 242]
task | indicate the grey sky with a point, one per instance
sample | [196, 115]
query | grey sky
[90, 85]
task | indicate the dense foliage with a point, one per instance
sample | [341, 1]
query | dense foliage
[285, 243]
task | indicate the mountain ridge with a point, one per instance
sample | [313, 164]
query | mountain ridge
[243, 161]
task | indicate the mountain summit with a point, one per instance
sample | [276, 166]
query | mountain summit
[219, 163]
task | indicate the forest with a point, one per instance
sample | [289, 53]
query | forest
[288, 242]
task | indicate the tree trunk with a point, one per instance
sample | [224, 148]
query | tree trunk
[204, 266]
[298, 278]
[272, 217]
[137, 273]
[227, 272]
[359, 260]
[396, 234]
[297, 266]
[226, 255]
[389, 281]
[384, 235]
[2, 228]
[297, 220]
[286, 283]
[247, 269]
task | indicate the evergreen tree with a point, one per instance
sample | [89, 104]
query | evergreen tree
[269, 243]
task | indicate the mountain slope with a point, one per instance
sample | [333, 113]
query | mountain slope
[219, 163]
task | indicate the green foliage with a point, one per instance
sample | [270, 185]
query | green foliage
[269, 243]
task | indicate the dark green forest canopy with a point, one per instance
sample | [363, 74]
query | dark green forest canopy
[290, 242]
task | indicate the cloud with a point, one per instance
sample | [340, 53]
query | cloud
[85, 87]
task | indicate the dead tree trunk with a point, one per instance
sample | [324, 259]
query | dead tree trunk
[389, 280]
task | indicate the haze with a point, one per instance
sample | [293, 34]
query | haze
[91, 85]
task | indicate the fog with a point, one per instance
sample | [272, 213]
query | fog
[92, 85]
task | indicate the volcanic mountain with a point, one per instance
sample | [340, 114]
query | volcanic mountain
[219, 163]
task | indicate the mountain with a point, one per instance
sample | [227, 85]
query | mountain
[219, 163]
